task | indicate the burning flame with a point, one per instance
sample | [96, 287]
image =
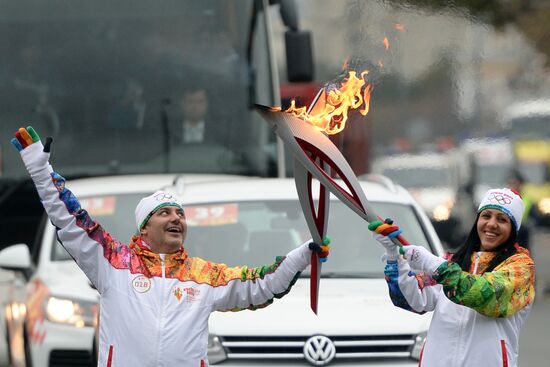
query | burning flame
[331, 118]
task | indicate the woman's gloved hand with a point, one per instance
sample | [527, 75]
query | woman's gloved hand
[392, 250]
[383, 233]
[421, 259]
[35, 156]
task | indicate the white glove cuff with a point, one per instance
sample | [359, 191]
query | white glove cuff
[34, 158]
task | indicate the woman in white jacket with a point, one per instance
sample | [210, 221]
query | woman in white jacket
[481, 295]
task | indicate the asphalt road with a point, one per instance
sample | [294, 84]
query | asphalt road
[535, 336]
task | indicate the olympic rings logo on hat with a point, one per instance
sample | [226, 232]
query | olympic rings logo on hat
[161, 196]
[500, 199]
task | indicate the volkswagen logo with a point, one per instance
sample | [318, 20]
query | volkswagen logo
[319, 350]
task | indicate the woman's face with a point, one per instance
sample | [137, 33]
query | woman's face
[493, 228]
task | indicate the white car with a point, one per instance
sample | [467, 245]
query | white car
[250, 221]
[434, 179]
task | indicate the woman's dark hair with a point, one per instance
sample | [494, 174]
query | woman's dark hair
[463, 256]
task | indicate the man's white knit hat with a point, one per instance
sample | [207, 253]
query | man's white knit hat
[507, 201]
[150, 204]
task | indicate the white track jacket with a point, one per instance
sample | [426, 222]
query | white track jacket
[477, 316]
[154, 311]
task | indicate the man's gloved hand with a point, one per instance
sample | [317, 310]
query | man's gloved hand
[35, 155]
[383, 233]
[420, 258]
[321, 250]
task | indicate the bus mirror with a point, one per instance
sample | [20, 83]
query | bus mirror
[299, 56]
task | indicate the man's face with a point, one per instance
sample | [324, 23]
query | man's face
[195, 105]
[166, 229]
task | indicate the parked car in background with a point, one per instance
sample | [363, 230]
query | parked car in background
[247, 221]
[490, 164]
[6, 280]
[435, 181]
[527, 124]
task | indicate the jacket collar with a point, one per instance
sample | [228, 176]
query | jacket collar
[152, 260]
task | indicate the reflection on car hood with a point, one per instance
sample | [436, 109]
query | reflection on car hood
[346, 307]
[65, 279]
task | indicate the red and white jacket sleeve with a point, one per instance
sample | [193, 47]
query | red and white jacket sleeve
[253, 288]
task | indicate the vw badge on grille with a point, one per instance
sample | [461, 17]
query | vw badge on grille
[319, 350]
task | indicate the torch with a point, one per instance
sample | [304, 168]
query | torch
[316, 156]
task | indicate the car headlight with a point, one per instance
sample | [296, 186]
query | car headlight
[418, 344]
[544, 206]
[441, 213]
[67, 311]
[216, 353]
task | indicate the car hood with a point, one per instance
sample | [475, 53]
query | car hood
[64, 279]
[346, 307]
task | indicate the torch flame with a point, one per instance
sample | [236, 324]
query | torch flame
[331, 118]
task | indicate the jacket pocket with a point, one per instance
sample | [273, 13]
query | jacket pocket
[504, 353]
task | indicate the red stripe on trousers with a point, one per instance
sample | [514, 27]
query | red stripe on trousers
[421, 354]
[504, 354]
[110, 356]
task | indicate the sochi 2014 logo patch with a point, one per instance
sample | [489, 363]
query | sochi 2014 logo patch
[188, 294]
[141, 284]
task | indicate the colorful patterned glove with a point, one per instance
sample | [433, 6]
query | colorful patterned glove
[322, 250]
[383, 233]
[421, 259]
[35, 155]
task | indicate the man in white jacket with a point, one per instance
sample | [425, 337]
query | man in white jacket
[155, 300]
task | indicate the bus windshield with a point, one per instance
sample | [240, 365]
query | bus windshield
[132, 86]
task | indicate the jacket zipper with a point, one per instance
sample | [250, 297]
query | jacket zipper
[476, 263]
[161, 314]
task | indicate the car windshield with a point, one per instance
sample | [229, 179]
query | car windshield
[254, 233]
[419, 177]
[133, 86]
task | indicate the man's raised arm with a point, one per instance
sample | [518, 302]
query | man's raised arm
[89, 245]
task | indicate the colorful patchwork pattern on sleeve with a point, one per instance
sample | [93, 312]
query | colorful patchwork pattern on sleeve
[500, 293]
[217, 274]
[115, 252]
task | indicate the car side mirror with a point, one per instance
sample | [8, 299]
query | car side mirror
[299, 56]
[15, 257]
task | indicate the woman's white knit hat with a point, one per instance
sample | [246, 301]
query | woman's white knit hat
[150, 204]
[507, 201]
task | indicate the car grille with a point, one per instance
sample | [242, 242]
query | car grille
[347, 347]
[65, 358]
